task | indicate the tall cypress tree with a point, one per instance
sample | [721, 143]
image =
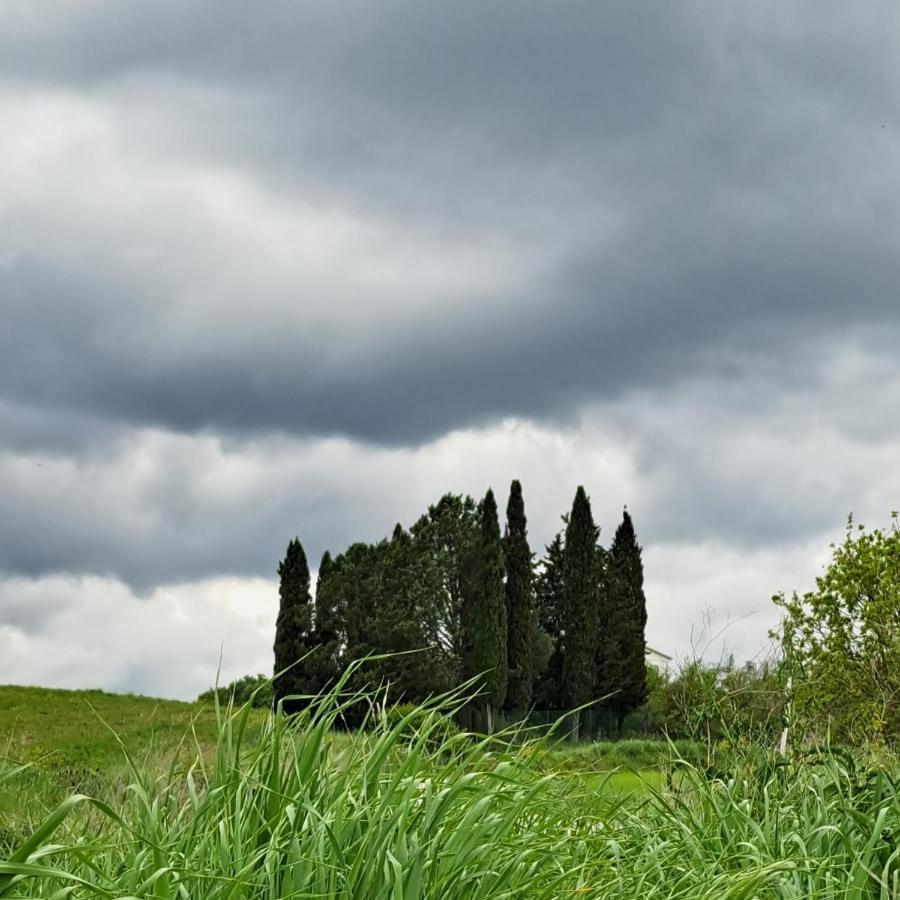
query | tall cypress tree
[519, 602]
[606, 680]
[354, 585]
[549, 600]
[359, 589]
[293, 627]
[580, 608]
[323, 663]
[623, 665]
[486, 614]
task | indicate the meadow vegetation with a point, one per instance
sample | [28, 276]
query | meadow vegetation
[256, 805]
[66, 742]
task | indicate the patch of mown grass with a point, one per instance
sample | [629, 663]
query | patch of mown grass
[602, 756]
[622, 783]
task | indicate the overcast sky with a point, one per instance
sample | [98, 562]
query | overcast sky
[301, 267]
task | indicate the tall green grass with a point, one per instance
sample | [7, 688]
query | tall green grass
[409, 808]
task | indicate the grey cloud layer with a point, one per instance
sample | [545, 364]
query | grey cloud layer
[706, 467]
[522, 210]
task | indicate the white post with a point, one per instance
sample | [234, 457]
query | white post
[784, 731]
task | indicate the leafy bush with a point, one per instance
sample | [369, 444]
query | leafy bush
[713, 702]
[254, 689]
[841, 642]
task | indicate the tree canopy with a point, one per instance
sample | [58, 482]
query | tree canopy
[293, 627]
[487, 610]
[450, 599]
[622, 671]
[580, 614]
[841, 642]
[519, 602]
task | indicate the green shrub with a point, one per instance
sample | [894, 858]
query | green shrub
[254, 689]
[841, 643]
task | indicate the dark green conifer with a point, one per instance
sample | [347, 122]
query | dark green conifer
[548, 602]
[623, 666]
[446, 537]
[359, 586]
[324, 662]
[293, 628]
[519, 602]
[403, 622]
[487, 612]
[580, 632]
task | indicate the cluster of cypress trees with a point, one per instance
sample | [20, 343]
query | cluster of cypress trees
[556, 635]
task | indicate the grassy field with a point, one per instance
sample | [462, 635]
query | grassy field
[70, 727]
[258, 807]
[73, 742]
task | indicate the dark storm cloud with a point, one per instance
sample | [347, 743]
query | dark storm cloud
[430, 62]
[681, 185]
[615, 326]
[151, 509]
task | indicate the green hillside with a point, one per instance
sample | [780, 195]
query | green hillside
[72, 741]
[82, 729]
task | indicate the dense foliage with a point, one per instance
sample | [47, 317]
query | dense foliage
[446, 537]
[548, 602]
[293, 628]
[714, 703]
[841, 642]
[621, 667]
[519, 602]
[449, 600]
[256, 690]
[580, 605]
[323, 662]
[487, 624]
